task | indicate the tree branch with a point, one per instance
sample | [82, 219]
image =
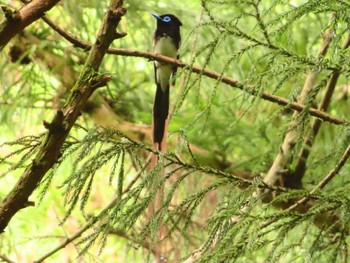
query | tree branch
[206, 72]
[290, 139]
[16, 21]
[303, 206]
[58, 129]
[6, 259]
[325, 180]
[309, 139]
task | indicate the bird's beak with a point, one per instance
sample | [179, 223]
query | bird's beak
[157, 17]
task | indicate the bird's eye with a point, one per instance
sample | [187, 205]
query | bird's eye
[166, 19]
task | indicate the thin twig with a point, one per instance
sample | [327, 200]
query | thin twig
[138, 174]
[325, 180]
[123, 234]
[64, 244]
[318, 187]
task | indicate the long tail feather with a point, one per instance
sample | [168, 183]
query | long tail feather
[160, 116]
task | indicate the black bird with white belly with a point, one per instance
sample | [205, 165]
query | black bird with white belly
[166, 42]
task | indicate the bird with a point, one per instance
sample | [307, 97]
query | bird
[166, 41]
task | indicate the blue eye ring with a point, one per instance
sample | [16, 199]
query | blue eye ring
[166, 19]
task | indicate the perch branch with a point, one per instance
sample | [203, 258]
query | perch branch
[206, 72]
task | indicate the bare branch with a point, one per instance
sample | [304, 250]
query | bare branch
[16, 21]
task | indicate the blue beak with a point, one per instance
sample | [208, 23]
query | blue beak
[157, 17]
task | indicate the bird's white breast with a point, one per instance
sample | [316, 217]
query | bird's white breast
[164, 46]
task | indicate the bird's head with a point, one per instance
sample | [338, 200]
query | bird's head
[167, 20]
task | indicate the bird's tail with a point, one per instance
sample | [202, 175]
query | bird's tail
[160, 118]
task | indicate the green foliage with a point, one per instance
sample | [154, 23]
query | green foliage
[211, 211]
